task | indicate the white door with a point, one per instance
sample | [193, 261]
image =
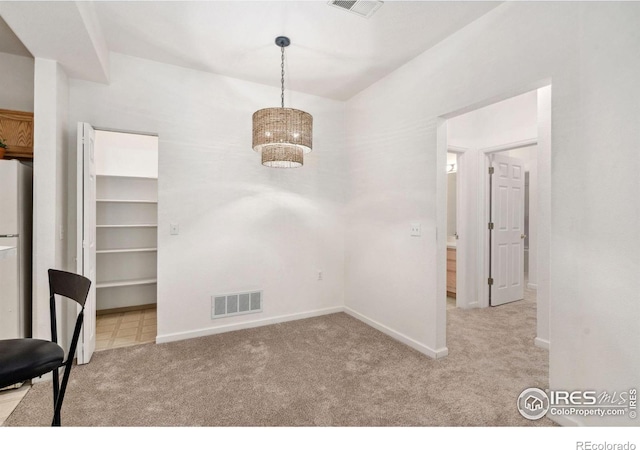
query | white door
[507, 236]
[86, 256]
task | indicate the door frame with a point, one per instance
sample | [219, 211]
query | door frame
[80, 218]
[85, 349]
[544, 89]
[462, 228]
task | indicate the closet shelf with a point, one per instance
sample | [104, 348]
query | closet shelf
[108, 284]
[115, 200]
[134, 225]
[128, 250]
[127, 176]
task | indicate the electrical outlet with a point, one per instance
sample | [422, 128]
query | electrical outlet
[174, 228]
[416, 229]
[319, 275]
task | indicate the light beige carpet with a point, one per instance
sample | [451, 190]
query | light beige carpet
[325, 371]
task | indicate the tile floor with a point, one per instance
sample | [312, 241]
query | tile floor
[126, 328]
[9, 399]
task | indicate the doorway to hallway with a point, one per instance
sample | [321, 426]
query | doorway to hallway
[503, 251]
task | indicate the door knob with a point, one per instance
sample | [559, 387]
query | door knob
[456, 235]
[522, 236]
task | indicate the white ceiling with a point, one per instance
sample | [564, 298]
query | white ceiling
[9, 42]
[333, 53]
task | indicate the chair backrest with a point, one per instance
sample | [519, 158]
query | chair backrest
[71, 285]
[74, 287]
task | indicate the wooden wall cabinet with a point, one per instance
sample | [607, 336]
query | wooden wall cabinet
[16, 130]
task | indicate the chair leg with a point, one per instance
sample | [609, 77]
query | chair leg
[56, 391]
[60, 398]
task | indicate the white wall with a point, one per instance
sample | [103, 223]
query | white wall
[242, 226]
[589, 52]
[50, 201]
[126, 154]
[511, 120]
[16, 88]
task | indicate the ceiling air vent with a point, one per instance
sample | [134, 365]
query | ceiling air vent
[362, 8]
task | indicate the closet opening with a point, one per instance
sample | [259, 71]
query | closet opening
[126, 236]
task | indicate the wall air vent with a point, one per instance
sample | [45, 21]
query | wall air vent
[235, 304]
[363, 8]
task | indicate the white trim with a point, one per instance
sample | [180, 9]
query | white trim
[498, 98]
[532, 286]
[542, 343]
[126, 176]
[462, 228]
[121, 283]
[79, 198]
[484, 264]
[172, 337]
[133, 225]
[456, 149]
[435, 354]
[510, 146]
[439, 310]
[114, 130]
[472, 305]
[565, 421]
[127, 250]
[114, 200]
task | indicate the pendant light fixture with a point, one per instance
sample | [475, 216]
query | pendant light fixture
[282, 135]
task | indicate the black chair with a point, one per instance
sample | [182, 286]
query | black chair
[24, 359]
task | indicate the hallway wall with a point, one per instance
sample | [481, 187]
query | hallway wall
[588, 52]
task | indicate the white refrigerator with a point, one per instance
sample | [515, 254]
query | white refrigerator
[16, 211]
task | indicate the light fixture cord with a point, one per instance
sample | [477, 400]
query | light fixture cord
[282, 77]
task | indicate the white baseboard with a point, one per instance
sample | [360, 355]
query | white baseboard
[533, 286]
[542, 343]
[565, 421]
[439, 353]
[472, 305]
[172, 337]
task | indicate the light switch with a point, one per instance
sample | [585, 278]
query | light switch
[416, 229]
[174, 228]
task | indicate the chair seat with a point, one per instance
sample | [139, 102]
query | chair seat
[23, 359]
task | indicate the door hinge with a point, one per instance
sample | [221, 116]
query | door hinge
[490, 281]
[491, 225]
[491, 170]
[84, 244]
